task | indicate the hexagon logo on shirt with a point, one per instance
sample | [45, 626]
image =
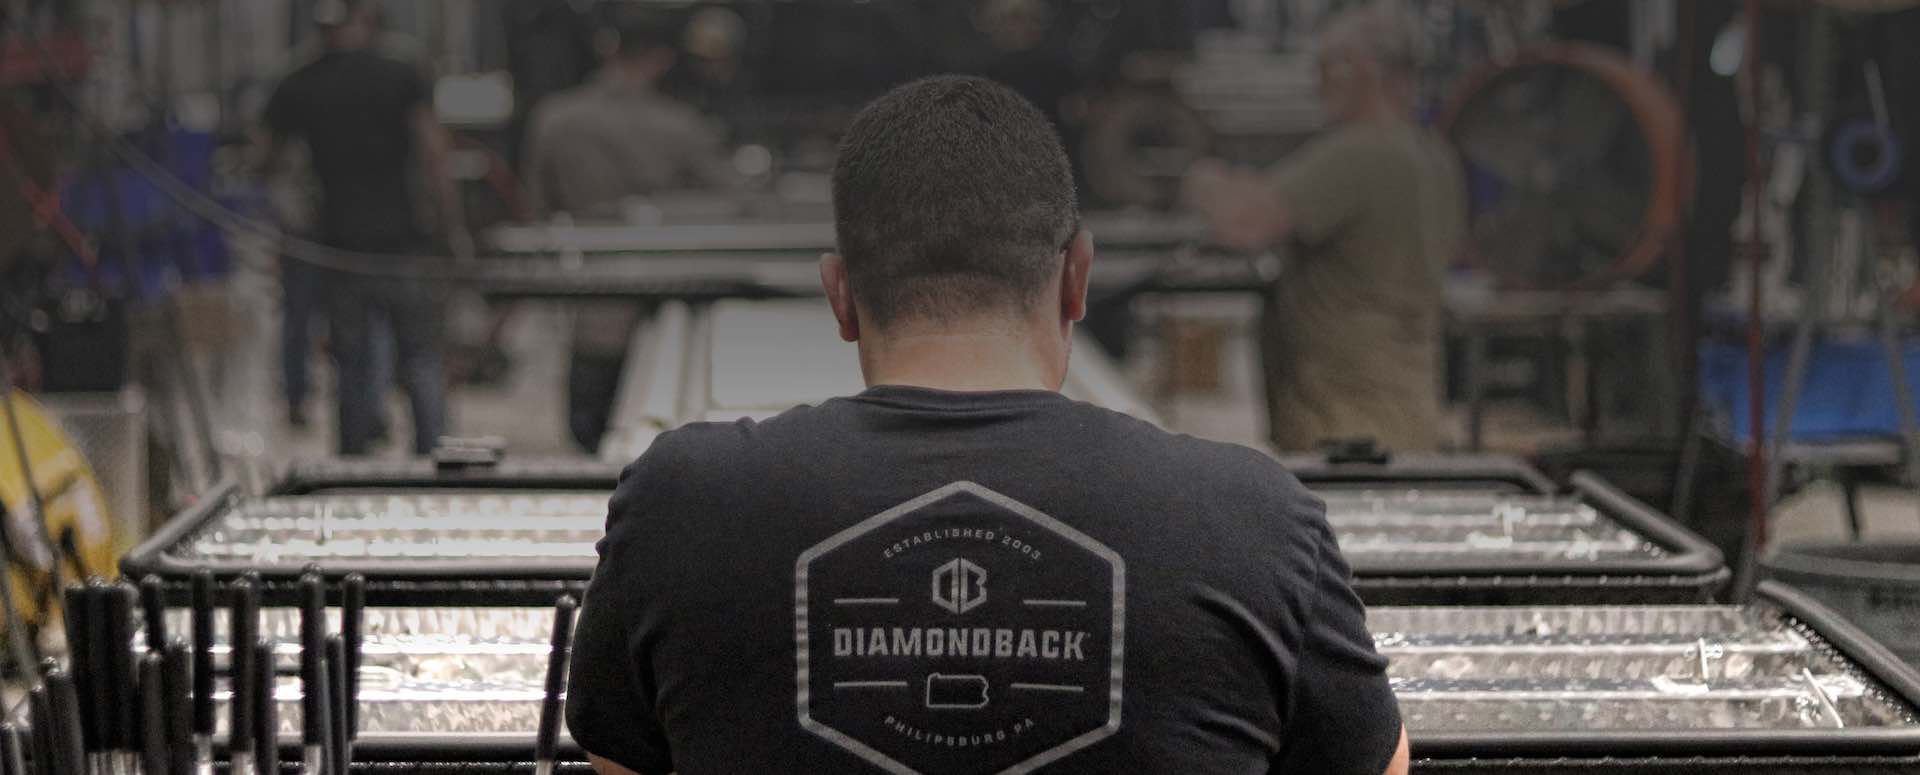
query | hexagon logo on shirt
[960, 632]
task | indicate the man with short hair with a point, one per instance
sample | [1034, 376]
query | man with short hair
[594, 148]
[618, 137]
[960, 570]
[1376, 209]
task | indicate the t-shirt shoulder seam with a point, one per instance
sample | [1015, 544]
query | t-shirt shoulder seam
[693, 435]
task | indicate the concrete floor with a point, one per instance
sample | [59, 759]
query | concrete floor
[1817, 513]
[526, 409]
[1236, 413]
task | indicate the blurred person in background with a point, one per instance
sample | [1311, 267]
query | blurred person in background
[1376, 208]
[295, 197]
[594, 149]
[368, 123]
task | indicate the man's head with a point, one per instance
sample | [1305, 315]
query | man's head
[348, 24]
[955, 214]
[1368, 57]
[639, 41]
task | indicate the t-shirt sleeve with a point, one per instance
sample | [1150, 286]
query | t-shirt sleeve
[1342, 718]
[610, 698]
[703, 150]
[540, 191]
[280, 115]
[1323, 187]
[413, 89]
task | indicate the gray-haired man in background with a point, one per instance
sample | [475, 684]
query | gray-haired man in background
[1376, 208]
[597, 146]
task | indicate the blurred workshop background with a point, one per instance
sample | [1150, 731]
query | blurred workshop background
[1685, 256]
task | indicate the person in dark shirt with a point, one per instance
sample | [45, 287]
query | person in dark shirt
[368, 123]
[959, 570]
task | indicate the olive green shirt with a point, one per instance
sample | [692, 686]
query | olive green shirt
[1354, 325]
[599, 144]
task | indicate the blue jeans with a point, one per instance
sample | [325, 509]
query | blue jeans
[303, 290]
[412, 311]
[593, 384]
[300, 294]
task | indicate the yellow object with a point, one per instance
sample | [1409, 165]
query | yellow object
[76, 512]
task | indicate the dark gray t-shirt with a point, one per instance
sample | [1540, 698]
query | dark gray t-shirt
[355, 111]
[918, 581]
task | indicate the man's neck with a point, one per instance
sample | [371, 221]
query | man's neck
[629, 75]
[1386, 104]
[1380, 112]
[349, 40]
[976, 360]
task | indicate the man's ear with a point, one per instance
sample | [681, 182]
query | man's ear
[833, 278]
[1074, 273]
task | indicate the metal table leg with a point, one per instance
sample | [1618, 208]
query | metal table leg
[1902, 393]
[1690, 451]
[1850, 489]
[1476, 391]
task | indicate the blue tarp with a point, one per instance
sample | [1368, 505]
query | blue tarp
[163, 243]
[1847, 392]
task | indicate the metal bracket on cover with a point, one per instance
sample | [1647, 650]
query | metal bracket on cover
[482, 452]
[1355, 450]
